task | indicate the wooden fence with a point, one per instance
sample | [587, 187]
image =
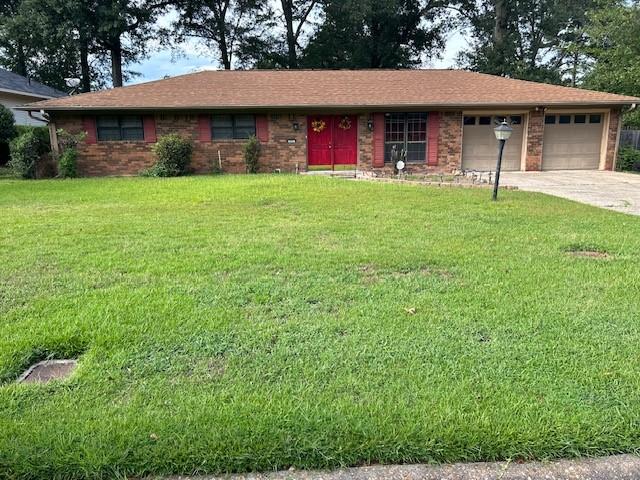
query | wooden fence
[630, 138]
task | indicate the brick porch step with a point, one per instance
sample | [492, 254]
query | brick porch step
[331, 173]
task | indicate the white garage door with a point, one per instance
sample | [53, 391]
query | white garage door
[480, 147]
[572, 141]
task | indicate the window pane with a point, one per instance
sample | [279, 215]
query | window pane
[222, 121]
[595, 118]
[222, 132]
[564, 119]
[579, 119]
[132, 134]
[394, 128]
[485, 121]
[516, 119]
[550, 119]
[469, 120]
[416, 152]
[417, 127]
[242, 132]
[127, 122]
[388, 147]
[245, 121]
[245, 126]
[107, 121]
[108, 133]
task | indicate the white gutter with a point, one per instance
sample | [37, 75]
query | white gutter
[27, 94]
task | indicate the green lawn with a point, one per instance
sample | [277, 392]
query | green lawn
[256, 322]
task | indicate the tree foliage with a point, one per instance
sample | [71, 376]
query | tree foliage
[378, 33]
[529, 39]
[614, 48]
[230, 28]
[7, 125]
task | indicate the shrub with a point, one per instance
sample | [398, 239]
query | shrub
[174, 156]
[68, 160]
[252, 154]
[7, 125]
[67, 163]
[26, 153]
[628, 159]
[7, 132]
[41, 132]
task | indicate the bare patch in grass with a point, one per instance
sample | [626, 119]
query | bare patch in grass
[590, 254]
[372, 274]
[48, 370]
[587, 251]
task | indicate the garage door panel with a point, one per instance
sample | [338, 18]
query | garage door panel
[480, 148]
[573, 146]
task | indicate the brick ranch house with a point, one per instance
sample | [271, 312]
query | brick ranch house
[441, 120]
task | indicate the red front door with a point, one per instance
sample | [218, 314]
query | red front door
[332, 140]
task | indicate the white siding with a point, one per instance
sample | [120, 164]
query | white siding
[12, 100]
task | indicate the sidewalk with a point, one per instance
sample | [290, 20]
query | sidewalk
[617, 467]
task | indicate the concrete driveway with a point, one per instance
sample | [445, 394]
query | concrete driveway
[612, 190]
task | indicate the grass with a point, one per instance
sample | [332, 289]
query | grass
[258, 322]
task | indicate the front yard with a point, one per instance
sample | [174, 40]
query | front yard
[242, 323]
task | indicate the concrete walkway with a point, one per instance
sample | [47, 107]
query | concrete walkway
[617, 467]
[612, 190]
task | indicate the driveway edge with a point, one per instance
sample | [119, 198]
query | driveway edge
[616, 467]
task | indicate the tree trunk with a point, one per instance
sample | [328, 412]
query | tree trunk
[21, 61]
[85, 71]
[574, 69]
[292, 57]
[221, 30]
[500, 27]
[225, 57]
[116, 62]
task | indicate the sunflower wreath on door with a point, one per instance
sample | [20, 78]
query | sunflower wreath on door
[345, 123]
[318, 125]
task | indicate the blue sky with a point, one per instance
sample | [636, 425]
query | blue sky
[162, 62]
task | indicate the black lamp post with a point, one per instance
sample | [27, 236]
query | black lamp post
[503, 132]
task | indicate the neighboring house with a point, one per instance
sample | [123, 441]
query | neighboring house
[306, 119]
[16, 90]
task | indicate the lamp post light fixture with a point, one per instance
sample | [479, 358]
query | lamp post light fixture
[502, 132]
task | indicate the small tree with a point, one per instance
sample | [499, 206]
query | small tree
[26, 151]
[174, 156]
[7, 132]
[7, 125]
[252, 154]
[68, 160]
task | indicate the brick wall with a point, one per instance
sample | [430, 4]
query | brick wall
[450, 142]
[129, 158]
[612, 140]
[535, 137]
[365, 143]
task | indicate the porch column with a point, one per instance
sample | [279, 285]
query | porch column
[535, 138]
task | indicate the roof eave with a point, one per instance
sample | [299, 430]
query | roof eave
[24, 93]
[447, 106]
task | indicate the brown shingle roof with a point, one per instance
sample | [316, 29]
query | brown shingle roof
[333, 88]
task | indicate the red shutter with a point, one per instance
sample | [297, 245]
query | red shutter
[89, 126]
[149, 125]
[262, 128]
[433, 132]
[378, 140]
[204, 128]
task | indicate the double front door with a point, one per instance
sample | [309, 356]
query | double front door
[332, 140]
